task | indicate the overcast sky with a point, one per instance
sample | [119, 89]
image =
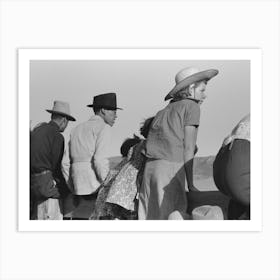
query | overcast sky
[141, 87]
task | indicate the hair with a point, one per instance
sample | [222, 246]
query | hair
[130, 142]
[96, 110]
[145, 127]
[185, 92]
[180, 95]
[56, 116]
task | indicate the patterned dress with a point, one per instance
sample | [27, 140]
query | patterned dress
[117, 197]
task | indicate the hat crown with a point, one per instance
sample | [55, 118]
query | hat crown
[105, 100]
[185, 73]
[61, 107]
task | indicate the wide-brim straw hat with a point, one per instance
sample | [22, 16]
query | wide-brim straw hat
[188, 76]
[106, 100]
[63, 109]
[207, 212]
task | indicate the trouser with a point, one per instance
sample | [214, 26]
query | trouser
[231, 172]
[82, 206]
[162, 190]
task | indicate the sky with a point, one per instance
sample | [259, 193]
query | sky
[141, 86]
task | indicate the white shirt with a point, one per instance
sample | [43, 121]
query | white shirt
[89, 142]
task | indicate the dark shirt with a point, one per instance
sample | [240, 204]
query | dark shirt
[46, 149]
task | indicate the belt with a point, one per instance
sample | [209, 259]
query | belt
[41, 173]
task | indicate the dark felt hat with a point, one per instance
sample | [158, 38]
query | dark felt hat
[106, 100]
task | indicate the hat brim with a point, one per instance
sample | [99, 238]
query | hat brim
[200, 76]
[105, 107]
[68, 117]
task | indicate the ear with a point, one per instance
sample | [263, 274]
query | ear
[102, 111]
[63, 120]
[191, 89]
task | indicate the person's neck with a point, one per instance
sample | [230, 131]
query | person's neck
[99, 114]
[57, 124]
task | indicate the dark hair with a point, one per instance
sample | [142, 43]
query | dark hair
[96, 109]
[128, 143]
[145, 127]
[56, 116]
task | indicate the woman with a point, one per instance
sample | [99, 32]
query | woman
[170, 147]
[117, 198]
[231, 170]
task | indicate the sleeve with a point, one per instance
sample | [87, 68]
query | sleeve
[65, 166]
[57, 155]
[192, 114]
[57, 152]
[101, 162]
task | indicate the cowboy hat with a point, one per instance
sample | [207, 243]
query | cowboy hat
[207, 212]
[106, 100]
[61, 108]
[188, 76]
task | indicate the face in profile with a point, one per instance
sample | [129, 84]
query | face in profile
[110, 116]
[199, 92]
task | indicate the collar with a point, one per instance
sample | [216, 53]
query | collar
[54, 124]
[95, 117]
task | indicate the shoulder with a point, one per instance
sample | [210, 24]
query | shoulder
[58, 137]
[54, 134]
[103, 131]
[186, 105]
[190, 103]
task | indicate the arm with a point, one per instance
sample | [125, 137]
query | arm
[57, 155]
[65, 163]
[190, 135]
[65, 167]
[100, 161]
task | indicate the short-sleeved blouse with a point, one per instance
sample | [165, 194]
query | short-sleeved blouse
[166, 135]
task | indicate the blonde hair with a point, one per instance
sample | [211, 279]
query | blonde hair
[185, 92]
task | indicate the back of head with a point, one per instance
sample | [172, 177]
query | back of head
[128, 143]
[146, 125]
[56, 117]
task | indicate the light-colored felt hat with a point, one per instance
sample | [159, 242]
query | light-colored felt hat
[61, 108]
[188, 76]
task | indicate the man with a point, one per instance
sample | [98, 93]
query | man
[89, 142]
[47, 185]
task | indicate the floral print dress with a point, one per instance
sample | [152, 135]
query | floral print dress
[118, 195]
